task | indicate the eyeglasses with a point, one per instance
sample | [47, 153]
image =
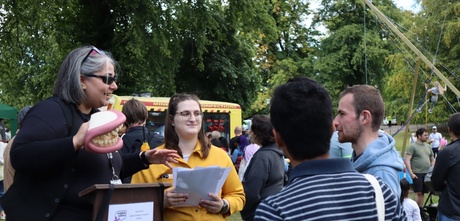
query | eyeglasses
[105, 78]
[93, 51]
[188, 114]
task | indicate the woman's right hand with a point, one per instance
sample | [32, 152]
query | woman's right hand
[79, 138]
[172, 198]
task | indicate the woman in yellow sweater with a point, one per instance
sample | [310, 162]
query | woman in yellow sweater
[184, 133]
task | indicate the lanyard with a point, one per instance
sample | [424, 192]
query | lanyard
[115, 178]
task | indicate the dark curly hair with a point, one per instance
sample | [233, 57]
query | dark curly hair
[262, 129]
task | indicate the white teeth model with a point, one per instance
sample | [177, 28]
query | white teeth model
[102, 135]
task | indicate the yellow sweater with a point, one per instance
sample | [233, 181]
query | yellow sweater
[232, 190]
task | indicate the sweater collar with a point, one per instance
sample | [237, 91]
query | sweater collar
[323, 166]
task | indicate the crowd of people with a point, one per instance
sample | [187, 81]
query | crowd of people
[341, 167]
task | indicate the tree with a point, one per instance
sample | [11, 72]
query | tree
[32, 45]
[217, 60]
[160, 45]
[429, 31]
[284, 44]
[436, 33]
[147, 45]
[355, 50]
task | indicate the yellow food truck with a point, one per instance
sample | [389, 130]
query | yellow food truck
[220, 116]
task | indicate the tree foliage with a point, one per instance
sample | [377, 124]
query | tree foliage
[235, 51]
[356, 45]
[163, 47]
[284, 44]
[32, 45]
[433, 31]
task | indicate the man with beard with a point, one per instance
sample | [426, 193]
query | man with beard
[359, 116]
[419, 159]
[319, 188]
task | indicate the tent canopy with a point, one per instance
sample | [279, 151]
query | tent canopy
[10, 113]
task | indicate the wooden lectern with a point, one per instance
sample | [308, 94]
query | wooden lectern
[126, 194]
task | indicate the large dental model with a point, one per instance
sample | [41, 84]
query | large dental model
[102, 135]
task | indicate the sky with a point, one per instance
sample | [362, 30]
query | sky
[405, 4]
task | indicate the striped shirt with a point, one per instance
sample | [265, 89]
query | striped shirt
[328, 189]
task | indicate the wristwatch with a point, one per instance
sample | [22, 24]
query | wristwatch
[224, 207]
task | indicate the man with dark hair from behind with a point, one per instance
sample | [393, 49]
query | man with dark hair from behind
[319, 188]
[446, 173]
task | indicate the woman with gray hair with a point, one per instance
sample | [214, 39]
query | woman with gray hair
[52, 166]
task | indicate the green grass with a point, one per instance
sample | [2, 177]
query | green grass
[399, 138]
[235, 217]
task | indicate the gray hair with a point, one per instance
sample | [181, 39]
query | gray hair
[67, 85]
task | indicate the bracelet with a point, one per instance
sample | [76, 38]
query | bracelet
[144, 159]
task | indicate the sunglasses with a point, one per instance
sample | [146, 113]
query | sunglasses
[93, 51]
[106, 78]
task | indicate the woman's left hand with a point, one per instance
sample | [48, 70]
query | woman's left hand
[214, 205]
[162, 156]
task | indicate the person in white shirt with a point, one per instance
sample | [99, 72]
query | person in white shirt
[435, 140]
[410, 206]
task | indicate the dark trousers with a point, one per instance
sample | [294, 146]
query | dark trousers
[435, 152]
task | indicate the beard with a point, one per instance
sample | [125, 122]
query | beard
[351, 134]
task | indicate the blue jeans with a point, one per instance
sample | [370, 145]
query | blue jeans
[442, 217]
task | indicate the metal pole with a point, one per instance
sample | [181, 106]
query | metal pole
[412, 47]
[414, 88]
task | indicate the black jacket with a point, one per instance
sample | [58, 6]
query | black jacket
[133, 140]
[232, 144]
[446, 178]
[50, 173]
[134, 137]
[264, 176]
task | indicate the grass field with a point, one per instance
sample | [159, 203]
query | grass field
[235, 217]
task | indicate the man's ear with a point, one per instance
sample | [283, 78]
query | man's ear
[282, 145]
[365, 117]
[279, 141]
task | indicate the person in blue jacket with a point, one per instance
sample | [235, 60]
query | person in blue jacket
[359, 115]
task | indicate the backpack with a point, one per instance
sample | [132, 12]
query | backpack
[66, 108]
[68, 114]
[237, 156]
[154, 141]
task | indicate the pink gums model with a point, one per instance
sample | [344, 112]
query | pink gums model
[102, 135]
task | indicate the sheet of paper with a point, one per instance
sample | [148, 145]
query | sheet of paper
[199, 182]
[131, 211]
